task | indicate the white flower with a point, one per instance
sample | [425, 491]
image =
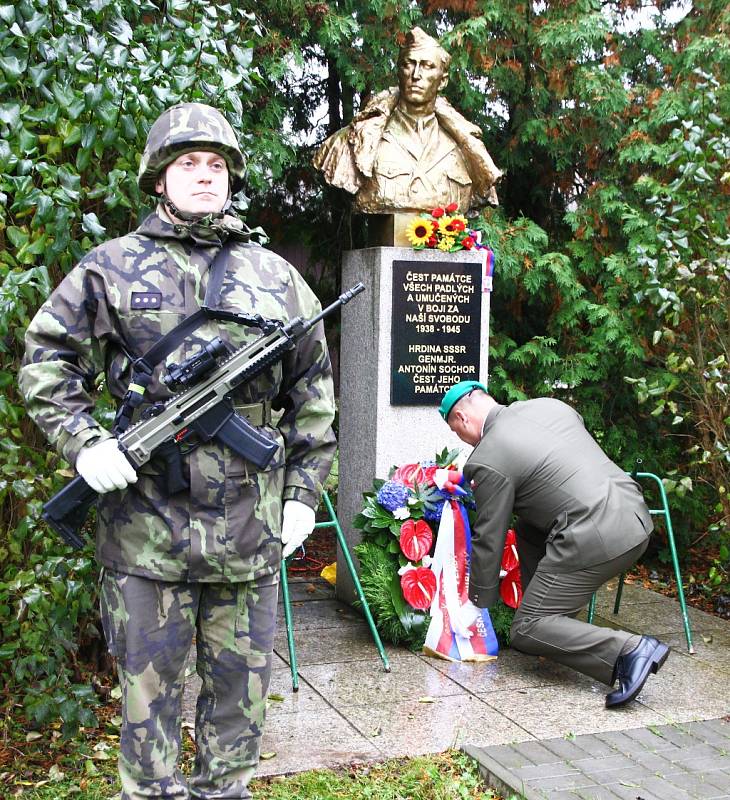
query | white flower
[401, 513]
[407, 568]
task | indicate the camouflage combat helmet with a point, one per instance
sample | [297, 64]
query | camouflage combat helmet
[186, 127]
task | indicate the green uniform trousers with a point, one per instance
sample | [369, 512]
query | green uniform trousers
[150, 626]
[544, 624]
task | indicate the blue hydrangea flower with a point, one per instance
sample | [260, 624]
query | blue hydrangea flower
[392, 495]
[434, 514]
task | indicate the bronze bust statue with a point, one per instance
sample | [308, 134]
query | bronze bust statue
[408, 149]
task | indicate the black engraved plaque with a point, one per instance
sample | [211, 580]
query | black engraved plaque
[435, 331]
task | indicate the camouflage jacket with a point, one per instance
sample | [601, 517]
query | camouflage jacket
[113, 306]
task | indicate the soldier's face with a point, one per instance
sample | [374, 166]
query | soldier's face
[196, 182]
[421, 77]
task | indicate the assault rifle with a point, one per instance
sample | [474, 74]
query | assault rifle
[203, 409]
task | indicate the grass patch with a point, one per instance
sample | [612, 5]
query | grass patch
[447, 776]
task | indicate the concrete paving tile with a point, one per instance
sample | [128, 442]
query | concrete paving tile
[719, 778]
[536, 752]
[629, 790]
[659, 788]
[306, 700]
[312, 741]
[593, 746]
[687, 689]
[365, 683]
[603, 793]
[625, 741]
[328, 645]
[561, 710]
[632, 594]
[695, 786]
[507, 755]
[510, 670]
[547, 786]
[711, 731]
[413, 728]
[570, 750]
[317, 589]
[592, 766]
[327, 613]
[662, 616]
[711, 647]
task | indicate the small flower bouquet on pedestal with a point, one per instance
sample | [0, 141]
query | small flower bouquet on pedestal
[414, 559]
[445, 230]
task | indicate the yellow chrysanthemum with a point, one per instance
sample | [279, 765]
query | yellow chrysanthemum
[419, 231]
[446, 243]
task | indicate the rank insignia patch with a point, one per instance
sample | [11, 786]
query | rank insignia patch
[144, 300]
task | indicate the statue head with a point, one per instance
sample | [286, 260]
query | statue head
[422, 72]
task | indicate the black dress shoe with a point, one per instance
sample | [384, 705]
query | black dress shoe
[634, 668]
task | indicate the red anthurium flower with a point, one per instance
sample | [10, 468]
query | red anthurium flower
[510, 558]
[415, 539]
[428, 473]
[409, 474]
[419, 587]
[510, 589]
[438, 212]
[451, 207]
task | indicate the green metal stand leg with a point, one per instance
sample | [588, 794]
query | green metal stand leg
[591, 608]
[619, 592]
[663, 511]
[356, 581]
[289, 628]
[675, 560]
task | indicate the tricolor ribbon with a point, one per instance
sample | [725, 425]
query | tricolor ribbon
[459, 631]
[488, 268]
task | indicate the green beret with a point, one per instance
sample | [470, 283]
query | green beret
[455, 393]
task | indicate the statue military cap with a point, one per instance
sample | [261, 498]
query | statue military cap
[417, 39]
[455, 393]
[183, 128]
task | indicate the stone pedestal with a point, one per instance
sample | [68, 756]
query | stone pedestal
[374, 434]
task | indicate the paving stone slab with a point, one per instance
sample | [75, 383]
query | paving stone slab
[510, 670]
[560, 710]
[685, 688]
[414, 728]
[661, 616]
[305, 589]
[711, 647]
[313, 741]
[365, 683]
[328, 645]
[319, 614]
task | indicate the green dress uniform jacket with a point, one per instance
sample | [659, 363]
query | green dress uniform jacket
[536, 460]
[113, 306]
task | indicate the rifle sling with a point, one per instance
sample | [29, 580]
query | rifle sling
[144, 366]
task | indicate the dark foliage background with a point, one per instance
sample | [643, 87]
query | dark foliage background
[611, 239]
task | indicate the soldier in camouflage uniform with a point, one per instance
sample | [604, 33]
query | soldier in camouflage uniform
[202, 562]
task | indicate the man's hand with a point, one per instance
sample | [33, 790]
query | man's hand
[104, 467]
[297, 523]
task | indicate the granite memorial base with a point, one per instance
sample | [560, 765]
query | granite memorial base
[421, 325]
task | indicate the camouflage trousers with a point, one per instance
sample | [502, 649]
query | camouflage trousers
[149, 627]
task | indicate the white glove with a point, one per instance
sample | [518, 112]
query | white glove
[104, 467]
[297, 523]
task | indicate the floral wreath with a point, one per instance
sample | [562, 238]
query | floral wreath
[401, 520]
